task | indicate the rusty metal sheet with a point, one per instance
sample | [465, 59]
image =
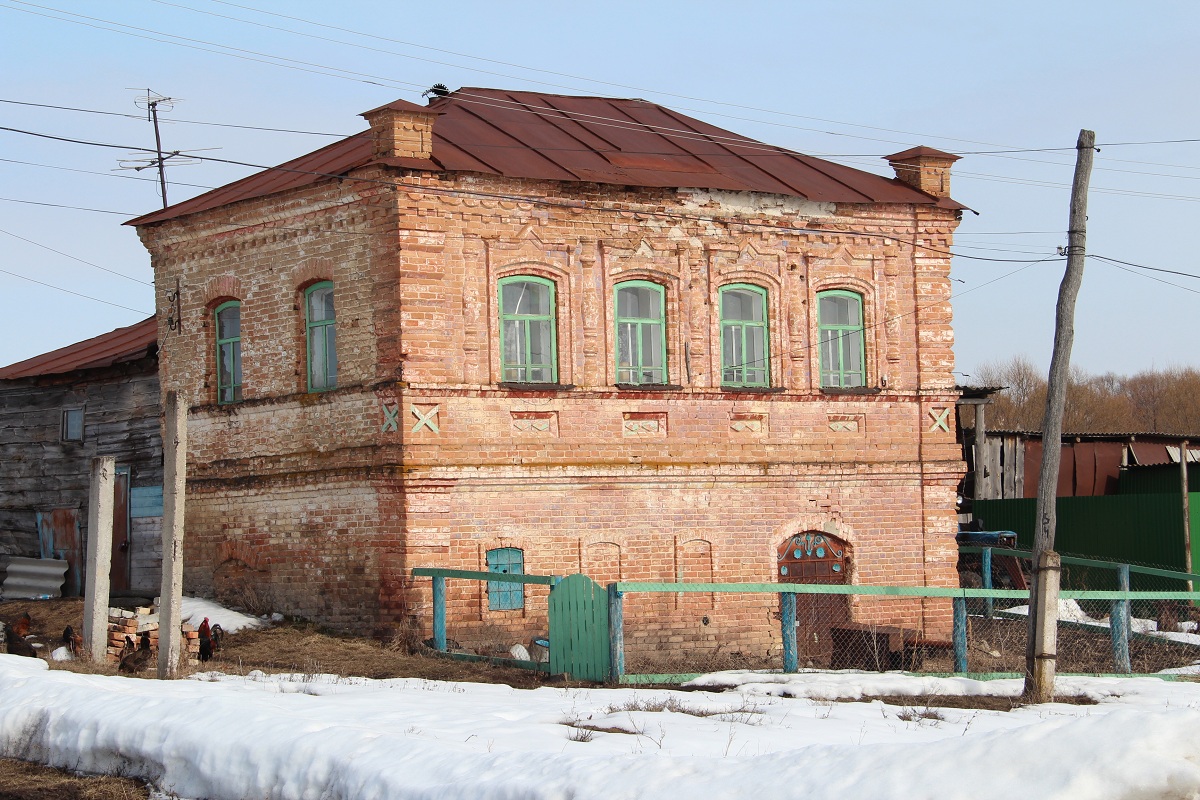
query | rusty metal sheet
[115, 347]
[597, 139]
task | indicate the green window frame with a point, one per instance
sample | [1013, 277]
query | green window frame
[745, 336]
[320, 331]
[228, 320]
[840, 339]
[528, 339]
[641, 342]
[506, 596]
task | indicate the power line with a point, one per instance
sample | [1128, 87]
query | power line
[60, 205]
[102, 174]
[530, 200]
[141, 118]
[1142, 266]
[76, 258]
[1151, 277]
[77, 294]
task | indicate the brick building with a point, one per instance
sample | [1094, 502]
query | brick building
[563, 334]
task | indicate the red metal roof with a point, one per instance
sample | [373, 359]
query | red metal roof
[591, 139]
[115, 347]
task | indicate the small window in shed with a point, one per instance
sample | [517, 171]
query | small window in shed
[506, 596]
[72, 425]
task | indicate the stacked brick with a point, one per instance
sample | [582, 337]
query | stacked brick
[122, 623]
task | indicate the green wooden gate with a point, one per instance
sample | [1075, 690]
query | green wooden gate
[579, 641]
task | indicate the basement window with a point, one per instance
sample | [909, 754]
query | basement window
[506, 596]
[72, 425]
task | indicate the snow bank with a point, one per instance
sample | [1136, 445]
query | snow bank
[195, 609]
[294, 737]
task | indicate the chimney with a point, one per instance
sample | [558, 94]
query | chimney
[924, 168]
[402, 130]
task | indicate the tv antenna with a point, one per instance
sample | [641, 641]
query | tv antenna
[152, 103]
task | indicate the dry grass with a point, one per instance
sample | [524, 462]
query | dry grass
[295, 647]
[23, 781]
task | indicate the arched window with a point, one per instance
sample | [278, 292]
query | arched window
[506, 596]
[641, 338]
[321, 334]
[745, 360]
[840, 323]
[528, 349]
[229, 351]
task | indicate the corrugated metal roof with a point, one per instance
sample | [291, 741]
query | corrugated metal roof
[625, 142]
[115, 347]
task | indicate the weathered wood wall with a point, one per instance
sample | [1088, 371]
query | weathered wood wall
[39, 471]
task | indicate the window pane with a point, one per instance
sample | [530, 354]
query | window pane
[330, 356]
[539, 342]
[320, 304]
[514, 342]
[651, 344]
[731, 353]
[72, 425]
[852, 352]
[229, 322]
[834, 310]
[318, 362]
[756, 354]
[625, 344]
[525, 298]
[741, 304]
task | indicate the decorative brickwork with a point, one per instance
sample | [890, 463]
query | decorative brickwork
[421, 456]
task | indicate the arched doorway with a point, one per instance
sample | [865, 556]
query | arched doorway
[816, 557]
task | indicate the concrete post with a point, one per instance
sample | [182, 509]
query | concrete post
[99, 558]
[171, 592]
[1045, 645]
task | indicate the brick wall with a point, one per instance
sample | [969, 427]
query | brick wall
[422, 458]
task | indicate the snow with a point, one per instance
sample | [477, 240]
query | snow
[298, 736]
[195, 609]
[1070, 611]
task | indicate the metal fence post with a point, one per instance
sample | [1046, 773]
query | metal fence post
[787, 617]
[439, 614]
[1119, 624]
[986, 567]
[616, 634]
[960, 634]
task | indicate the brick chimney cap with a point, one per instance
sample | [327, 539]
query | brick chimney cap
[917, 152]
[402, 105]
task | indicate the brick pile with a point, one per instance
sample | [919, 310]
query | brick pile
[122, 623]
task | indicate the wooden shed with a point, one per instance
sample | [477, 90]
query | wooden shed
[58, 411]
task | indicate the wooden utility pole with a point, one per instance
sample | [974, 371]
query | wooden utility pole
[1187, 514]
[1041, 650]
[170, 599]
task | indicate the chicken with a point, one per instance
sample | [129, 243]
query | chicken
[135, 660]
[14, 638]
[210, 639]
[72, 641]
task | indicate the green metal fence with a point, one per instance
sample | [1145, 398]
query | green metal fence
[1125, 528]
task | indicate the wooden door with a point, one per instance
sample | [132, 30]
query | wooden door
[58, 537]
[118, 575]
[816, 557]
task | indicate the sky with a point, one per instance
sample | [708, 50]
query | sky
[770, 736]
[848, 81]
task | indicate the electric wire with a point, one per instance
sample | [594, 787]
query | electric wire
[102, 174]
[76, 258]
[436, 190]
[60, 205]
[77, 294]
[171, 120]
